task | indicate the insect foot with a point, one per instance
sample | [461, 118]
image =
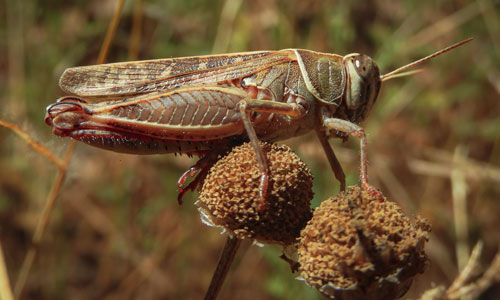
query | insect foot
[359, 247]
[230, 196]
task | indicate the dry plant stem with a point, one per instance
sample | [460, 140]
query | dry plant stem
[42, 225]
[489, 277]
[5, 290]
[135, 36]
[474, 289]
[111, 33]
[460, 289]
[225, 28]
[225, 261]
[434, 294]
[442, 164]
[34, 144]
[469, 269]
[459, 192]
[56, 187]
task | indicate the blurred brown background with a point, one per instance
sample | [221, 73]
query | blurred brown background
[116, 231]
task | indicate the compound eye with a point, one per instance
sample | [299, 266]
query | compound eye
[363, 65]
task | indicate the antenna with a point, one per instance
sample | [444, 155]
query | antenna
[394, 74]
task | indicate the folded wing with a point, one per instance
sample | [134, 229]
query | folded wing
[131, 78]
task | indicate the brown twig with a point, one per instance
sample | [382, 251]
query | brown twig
[34, 144]
[442, 164]
[225, 261]
[436, 293]
[134, 45]
[474, 289]
[225, 28]
[5, 290]
[110, 34]
[42, 225]
[462, 287]
[489, 277]
[460, 216]
[56, 187]
[469, 269]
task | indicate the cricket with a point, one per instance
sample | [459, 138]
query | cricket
[204, 105]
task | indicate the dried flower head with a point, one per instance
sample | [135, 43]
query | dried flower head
[230, 195]
[357, 246]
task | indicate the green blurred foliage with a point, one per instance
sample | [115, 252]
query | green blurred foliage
[117, 231]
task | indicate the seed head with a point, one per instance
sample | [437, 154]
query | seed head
[230, 196]
[358, 247]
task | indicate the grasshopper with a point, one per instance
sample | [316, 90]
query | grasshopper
[202, 104]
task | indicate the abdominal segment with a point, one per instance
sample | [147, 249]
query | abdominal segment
[183, 120]
[137, 144]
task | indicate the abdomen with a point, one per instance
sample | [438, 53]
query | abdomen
[180, 120]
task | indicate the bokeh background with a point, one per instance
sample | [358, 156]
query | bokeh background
[117, 232]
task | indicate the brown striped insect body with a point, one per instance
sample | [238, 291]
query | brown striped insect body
[196, 104]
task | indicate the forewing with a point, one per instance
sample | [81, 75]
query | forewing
[131, 78]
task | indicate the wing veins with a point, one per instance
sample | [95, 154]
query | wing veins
[104, 81]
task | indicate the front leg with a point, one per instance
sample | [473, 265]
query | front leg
[355, 130]
[264, 106]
